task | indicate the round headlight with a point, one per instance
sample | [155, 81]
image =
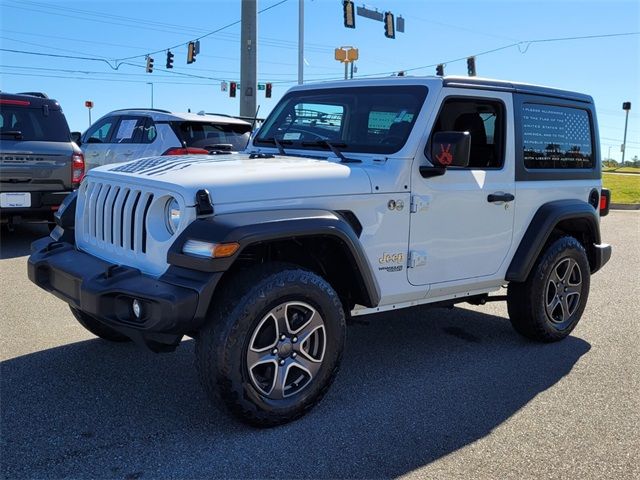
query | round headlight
[172, 218]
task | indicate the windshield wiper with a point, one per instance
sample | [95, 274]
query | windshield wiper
[334, 148]
[277, 143]
[14, 133]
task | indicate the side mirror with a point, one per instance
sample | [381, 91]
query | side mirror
[75, 137]
[450, 149]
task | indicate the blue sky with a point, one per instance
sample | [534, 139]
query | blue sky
[436, 31]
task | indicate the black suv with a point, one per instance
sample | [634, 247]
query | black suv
[39, 164]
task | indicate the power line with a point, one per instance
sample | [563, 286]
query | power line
[520, 45]
[145, 75]
[105, 79]
[136, 25]
[523, 46]
[205, 35]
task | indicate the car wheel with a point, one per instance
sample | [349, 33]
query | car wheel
[273, 344]
[549, 304]
[97, 328]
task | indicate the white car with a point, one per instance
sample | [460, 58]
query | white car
[353, 198]
[124, 135]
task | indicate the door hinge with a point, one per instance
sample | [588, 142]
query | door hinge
[419, 203]
[417, 259]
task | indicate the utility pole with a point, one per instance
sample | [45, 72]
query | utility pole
[151, 83]
[626, 106]
[346, 55]
[248, 58]
[300, 42]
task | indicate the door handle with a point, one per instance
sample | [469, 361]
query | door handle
[94, 154]
[128, 153]
[500, 197]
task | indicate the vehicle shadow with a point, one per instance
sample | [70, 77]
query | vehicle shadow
[18, 242]
[414, 386]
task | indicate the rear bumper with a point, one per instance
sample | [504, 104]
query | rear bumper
[601, 257]
[43, 204]
[172, 305]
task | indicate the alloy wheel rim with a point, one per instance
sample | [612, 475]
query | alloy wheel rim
[564, 287]
[286, 350]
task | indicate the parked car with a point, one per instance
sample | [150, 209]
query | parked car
[39, 164]
[129, 134]
[354, 198]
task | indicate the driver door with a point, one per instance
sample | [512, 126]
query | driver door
[457, 233]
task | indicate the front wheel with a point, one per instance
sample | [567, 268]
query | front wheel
[549, 304]
[273, 344]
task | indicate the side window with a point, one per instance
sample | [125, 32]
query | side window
[484, 120]
[101, 131]
[129, 130]
[556, 137]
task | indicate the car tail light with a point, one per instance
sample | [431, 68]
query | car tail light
[186, 151]
[605, 200]
[77, 169]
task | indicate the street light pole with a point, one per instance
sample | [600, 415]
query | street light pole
[626, 106]
[300, 42]
[151, 83]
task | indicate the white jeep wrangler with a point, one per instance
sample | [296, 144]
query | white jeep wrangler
[354, 198]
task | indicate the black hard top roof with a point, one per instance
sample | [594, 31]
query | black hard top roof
[34, 100]
[490, 84]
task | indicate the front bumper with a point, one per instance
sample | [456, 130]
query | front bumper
[173, 305]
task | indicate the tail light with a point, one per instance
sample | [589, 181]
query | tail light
[186, 151]
[605, 200]
[77, 169]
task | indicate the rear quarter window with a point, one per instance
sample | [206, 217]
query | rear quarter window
[556, 137]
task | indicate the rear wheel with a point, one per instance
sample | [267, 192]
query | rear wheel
[549, 304]
[97, 328]
[273, 344]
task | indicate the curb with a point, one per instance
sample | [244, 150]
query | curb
[624, 206]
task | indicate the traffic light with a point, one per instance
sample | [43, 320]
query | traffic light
[267, 90]
[471, 66]
[349, 14]
[232, 89]
[389, 25]
[440, 70]
[169, 59]
[149, 64]
[191, 52]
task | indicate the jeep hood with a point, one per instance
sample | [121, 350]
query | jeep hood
[238, 178]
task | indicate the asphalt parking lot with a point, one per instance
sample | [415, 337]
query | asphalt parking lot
[427, 393]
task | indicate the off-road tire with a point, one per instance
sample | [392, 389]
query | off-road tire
[528, 302]
[97, 328]
[221, 346]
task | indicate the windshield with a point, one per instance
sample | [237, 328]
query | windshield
[358, 119]
[215, 135]
[33, 124]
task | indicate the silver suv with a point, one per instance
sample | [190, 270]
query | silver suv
[129, 134]
[39, 164]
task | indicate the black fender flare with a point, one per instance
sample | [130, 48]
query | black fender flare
[249, 228]
[546, 218]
